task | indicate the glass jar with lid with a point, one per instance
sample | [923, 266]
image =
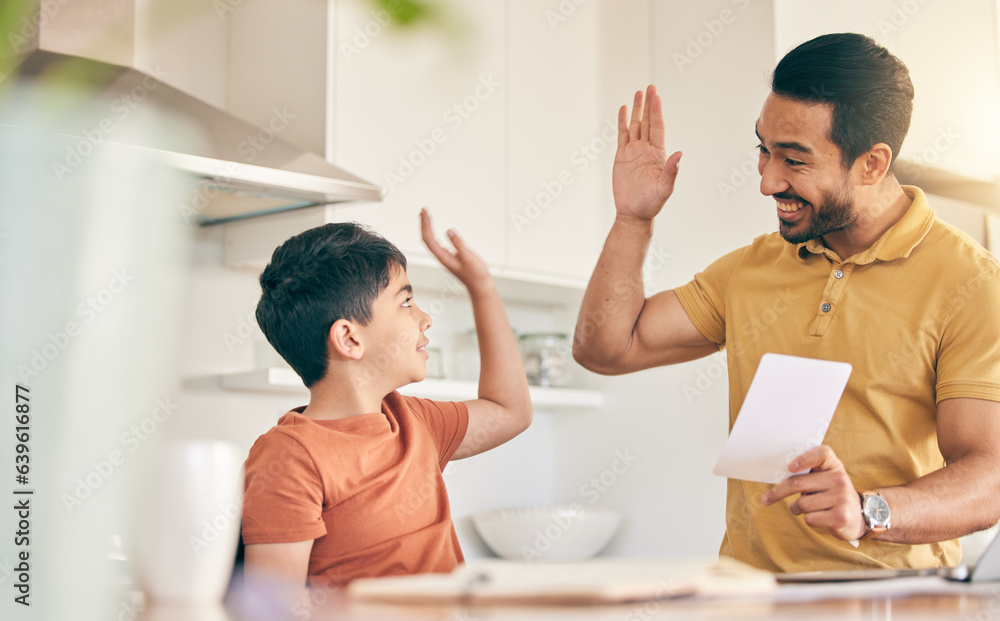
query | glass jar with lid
[547, 358]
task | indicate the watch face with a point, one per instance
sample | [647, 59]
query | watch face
[876, 510]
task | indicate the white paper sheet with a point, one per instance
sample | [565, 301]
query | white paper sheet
[786, 412]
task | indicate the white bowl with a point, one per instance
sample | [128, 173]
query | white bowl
[558, 533]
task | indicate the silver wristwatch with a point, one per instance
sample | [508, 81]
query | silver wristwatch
[875, 511]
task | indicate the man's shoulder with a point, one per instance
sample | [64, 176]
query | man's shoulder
[959, 250]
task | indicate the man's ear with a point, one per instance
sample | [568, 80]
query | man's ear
[344, 340]
[874, 164]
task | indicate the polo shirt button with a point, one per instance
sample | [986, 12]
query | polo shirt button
[839, 274]
[826, 307]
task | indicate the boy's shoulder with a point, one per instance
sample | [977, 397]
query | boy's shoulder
[290, 433]
[284, 431]
[290, 424]
[296, 431]
[429, 411]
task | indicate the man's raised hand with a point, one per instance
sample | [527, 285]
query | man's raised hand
[643, 175]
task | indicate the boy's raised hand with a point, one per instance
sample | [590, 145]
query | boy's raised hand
[463, 263]
[503, 408]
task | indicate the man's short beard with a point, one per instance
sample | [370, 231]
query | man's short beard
[837, 213]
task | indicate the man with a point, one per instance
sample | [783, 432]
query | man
[912, 455]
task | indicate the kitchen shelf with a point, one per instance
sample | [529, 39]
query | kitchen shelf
[283, 380]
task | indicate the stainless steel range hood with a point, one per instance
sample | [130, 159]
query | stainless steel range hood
[77, 70]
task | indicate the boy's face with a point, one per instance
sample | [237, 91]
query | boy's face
[394, 339]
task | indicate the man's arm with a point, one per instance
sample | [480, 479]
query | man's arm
[287, 562]
[503, 409]
[956, 500]
[618, 329]
[960, 498]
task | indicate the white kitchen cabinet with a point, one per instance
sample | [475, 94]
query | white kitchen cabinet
[500, 132]
[559, 139]
[277, 66]
[422, 114]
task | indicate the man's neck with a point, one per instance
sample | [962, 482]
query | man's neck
[335, 398]
[876, 215]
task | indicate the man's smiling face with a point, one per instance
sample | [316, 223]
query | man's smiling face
[801, 168]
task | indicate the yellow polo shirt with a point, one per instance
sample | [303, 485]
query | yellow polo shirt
[917, 315]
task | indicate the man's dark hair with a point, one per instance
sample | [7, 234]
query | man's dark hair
[868, 88]
[331, 272]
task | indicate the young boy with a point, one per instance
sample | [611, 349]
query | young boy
[350, 485]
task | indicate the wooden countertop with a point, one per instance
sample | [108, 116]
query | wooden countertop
[896, 600]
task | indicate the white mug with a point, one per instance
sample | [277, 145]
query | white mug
[189, 524]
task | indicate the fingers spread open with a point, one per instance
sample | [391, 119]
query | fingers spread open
[443, 255]
[426, 232]
[656, 125]
[635, 127]
[456, 241]
[644, 126]
[622, 126]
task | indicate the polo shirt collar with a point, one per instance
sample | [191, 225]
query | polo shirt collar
[896, 243]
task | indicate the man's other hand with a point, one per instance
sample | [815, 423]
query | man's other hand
[827, 498]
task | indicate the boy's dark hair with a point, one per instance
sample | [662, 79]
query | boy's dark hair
[869, 89]
[331, 272]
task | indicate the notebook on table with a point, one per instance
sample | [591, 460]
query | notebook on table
[595, 581]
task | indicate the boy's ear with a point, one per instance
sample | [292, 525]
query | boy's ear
[344, 340]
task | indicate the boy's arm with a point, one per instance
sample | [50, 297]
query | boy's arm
[503, 408]
[288, 562]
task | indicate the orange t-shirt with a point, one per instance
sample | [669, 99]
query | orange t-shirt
[368, 489]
